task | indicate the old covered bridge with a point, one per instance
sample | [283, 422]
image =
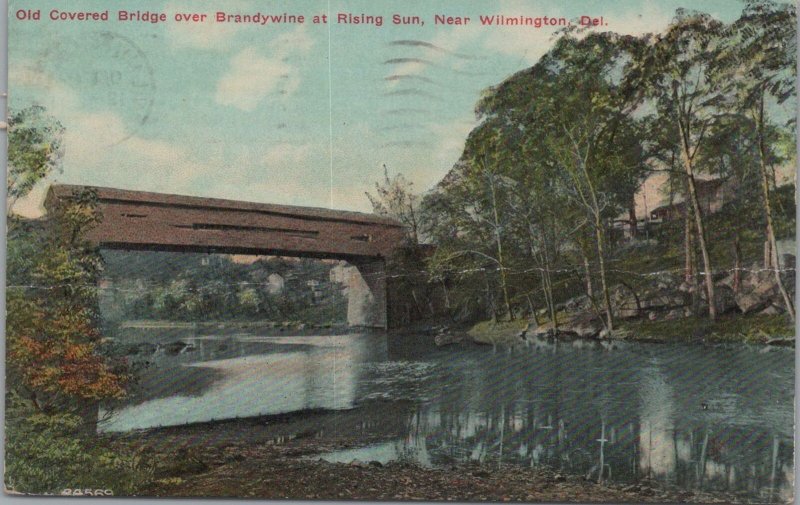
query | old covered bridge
[137, 220]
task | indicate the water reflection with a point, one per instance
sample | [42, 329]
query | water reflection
[268, 375]
[710, 418]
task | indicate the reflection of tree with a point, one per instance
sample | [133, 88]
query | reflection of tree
[656, 446]
[612, 421]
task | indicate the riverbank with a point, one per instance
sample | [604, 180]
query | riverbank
[230, 324]
[729, 328]
[211, 460]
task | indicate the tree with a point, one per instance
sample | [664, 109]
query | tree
[760, 56]
[475, 201]
[52, 331]
[569, 111]
[678, 73]
[395, 198]
[34, 150]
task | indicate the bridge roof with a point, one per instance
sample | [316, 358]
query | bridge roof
[155, 221]
[60, 191]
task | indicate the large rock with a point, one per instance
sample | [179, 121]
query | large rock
[772, 310]
[584, 325]
[750, 302]
[625, 307]
[759, 281]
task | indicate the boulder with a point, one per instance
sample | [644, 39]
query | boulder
[772, 310]
[750, 302]
[728, 280]
[625, 307]
[760, 281]
[584, 325]
[542, 331]
[662, 299]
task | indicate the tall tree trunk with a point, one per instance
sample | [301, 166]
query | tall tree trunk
[601, 260]
[632, 217]
[489, 297]
[688, 247]
[698, 219]
[547, 284]
[532, 309]
[737, 263]
[773, 244]
[588, 273]
[546, 296]
[541, 257]
[499, 245]
[766, 261]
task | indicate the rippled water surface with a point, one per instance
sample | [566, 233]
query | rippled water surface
[713, 418]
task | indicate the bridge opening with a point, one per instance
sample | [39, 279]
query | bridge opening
[285, 294]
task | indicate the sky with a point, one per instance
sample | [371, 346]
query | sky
[299, 114]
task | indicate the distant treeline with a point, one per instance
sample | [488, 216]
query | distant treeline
[202, 287]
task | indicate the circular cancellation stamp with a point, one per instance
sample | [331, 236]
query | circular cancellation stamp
[109, 71]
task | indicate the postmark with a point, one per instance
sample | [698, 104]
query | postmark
[112, 73]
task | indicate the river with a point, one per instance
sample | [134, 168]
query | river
[714, 418]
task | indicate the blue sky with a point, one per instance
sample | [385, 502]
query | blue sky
[261, 113]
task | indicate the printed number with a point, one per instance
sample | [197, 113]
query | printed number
[87, 492]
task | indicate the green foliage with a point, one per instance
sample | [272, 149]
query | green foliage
[56, 374]
[395, 198]
[34, 150]
[562, 148]
[47, 453]
[199, 287]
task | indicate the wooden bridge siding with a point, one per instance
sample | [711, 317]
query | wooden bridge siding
[143, 226]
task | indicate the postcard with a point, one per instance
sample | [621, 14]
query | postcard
[489, 250]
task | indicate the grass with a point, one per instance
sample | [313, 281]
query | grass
[727, 328]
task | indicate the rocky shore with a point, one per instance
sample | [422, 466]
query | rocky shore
[661, 308]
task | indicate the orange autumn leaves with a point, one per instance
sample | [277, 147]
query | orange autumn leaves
[53, 334]
[55, 353]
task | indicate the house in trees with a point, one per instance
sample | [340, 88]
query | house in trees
[712, 195]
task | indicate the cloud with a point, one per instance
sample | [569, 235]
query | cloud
[525, 42]
[651, 18]
[286, 155]
[100, 149]
[252, 76]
